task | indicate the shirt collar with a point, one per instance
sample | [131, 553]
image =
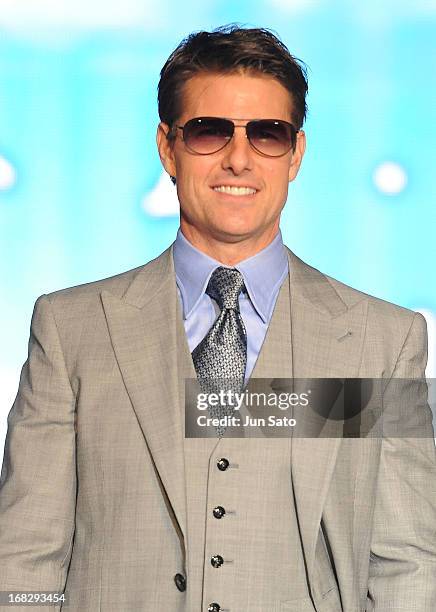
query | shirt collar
[263, 274]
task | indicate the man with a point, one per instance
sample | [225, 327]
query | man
[102, 494]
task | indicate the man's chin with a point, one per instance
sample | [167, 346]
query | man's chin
[231, 232]
[235, 234]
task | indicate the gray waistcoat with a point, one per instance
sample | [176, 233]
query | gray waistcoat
[258, 536]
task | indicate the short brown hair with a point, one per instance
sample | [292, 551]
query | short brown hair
[230, 49]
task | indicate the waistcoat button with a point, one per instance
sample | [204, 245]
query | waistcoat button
[223, 464]
[217, 561]
[218, 512]
[214, 607]
[180, 582]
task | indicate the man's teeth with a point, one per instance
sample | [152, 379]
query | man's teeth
[235, 190]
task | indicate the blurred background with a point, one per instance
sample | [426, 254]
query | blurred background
[82, 193]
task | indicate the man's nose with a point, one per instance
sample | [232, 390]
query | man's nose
[238, 153]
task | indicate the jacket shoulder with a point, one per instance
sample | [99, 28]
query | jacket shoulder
[117, 285]
[387, 316]
[350, 296]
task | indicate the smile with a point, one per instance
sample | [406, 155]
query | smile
[237, 191]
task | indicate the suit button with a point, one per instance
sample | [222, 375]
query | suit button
[180, 582]
[218, 512]
[217, 561]
[223, 464]
[214, 607]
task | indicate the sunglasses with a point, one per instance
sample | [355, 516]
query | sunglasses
[269, 137]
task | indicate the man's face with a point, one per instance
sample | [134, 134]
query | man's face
[209, 216]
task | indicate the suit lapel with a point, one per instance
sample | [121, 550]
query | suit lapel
[327, 342]
[142, 326]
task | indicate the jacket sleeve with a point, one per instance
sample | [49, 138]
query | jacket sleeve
[403, 547]
[38, 478]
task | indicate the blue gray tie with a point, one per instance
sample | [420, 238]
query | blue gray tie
[221, 357]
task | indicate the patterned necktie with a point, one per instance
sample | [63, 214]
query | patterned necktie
[221, 357]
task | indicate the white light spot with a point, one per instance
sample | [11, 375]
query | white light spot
[162, 201]
[390, 178]
[8, 176]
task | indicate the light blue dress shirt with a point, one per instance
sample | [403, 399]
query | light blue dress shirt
[263, 276]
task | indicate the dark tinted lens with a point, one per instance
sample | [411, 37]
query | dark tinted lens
[206, 135]
[271, 137]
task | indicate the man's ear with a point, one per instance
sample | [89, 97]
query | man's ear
[297, 155]
[165, 147]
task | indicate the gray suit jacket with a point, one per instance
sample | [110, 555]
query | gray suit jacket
[93, 486]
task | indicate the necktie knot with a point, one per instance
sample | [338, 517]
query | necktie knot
[224, 287]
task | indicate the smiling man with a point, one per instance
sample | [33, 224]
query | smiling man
[231, 198]
[105, 498]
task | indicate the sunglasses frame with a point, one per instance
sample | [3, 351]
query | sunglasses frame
[293, 130]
